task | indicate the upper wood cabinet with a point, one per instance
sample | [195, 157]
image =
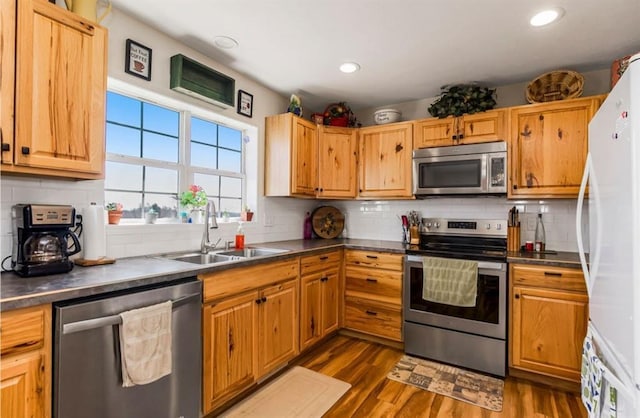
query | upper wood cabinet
[548, 320]
[337, 162]
[467, 129]
[60, 84]
[291, 145]
[306, 160]
[548, 147]
[385, 160]
[7, 78]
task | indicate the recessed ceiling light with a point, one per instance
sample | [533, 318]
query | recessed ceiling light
[225, 42]
[546, 16]
[349, 67]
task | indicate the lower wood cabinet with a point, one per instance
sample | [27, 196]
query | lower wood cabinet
[319, 296]
[250, 327]
[25, 363]
[548, 320]
[373, 293]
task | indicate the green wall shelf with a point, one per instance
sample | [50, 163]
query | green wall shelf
[197, 80]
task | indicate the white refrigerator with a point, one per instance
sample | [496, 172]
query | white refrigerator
[612, 274]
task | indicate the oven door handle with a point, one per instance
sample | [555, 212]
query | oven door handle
[487, 265]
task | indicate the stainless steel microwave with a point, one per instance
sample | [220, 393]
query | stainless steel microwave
[474, 169]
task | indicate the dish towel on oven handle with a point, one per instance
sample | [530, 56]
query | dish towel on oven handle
[145, 344]
[598, 395]
[450, 281]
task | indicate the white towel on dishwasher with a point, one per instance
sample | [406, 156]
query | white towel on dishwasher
[145, 344]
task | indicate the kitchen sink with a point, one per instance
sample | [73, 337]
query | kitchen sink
[250, 252]
[223, 256]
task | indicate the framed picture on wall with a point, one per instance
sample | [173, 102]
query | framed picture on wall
[245, 103]
[138, 60]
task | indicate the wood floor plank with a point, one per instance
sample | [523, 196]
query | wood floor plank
[365, 366]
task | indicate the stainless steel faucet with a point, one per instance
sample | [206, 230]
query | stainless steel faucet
[205, 244]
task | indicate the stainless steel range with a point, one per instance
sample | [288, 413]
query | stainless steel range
[471, 337]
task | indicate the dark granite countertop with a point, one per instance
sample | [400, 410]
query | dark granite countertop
[126, 273]
[553, 258]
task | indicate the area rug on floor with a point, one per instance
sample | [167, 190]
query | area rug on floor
[477, 389]
[297, 393]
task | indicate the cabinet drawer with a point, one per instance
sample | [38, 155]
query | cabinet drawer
[376, 284]
[319, 262]
[546, 276]
[238, 280]
[22, 330]
[373, 318]
[374, 259]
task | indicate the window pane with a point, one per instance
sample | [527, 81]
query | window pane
[160, 147]
[165, 205]
[161, 180]
[123, 176]
[209, 183]
[229, 160]
[121, 140]
[229, 138]
[204, 131]
[123, 110]
[230, 187]
[131, 202]
[203, 155]
[232, 206]
[161, 120]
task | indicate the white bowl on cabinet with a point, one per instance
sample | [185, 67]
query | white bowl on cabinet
[382, 116]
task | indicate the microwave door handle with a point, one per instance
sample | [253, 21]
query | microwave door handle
[484, 173]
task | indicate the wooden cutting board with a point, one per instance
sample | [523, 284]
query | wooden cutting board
[327, 222]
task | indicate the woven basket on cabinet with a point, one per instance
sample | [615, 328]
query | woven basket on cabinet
[555, 85]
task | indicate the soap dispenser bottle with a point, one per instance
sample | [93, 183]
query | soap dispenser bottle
[240, 237]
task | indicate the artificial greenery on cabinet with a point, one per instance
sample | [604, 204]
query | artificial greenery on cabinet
[462, 98]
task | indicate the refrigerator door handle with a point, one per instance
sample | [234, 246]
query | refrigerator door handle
[583, 259]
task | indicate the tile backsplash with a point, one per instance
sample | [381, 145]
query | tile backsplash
[282, 218]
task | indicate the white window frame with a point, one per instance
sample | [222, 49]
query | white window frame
[186, 172]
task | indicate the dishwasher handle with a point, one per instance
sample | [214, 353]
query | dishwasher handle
[106, 321]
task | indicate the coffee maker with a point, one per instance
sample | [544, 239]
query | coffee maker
[43, 239]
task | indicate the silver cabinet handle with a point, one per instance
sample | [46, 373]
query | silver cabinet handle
[106, 321]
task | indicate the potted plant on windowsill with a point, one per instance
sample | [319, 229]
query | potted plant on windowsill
[114, 210]
[194, 200]
[246, 214]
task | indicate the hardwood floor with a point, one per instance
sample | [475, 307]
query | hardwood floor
[365, 365]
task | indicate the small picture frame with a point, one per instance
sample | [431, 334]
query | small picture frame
[138, 60]
[245, 103]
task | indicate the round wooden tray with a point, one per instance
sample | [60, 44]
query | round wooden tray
[327, 222]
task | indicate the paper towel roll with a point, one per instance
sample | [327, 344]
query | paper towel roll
[93, 230]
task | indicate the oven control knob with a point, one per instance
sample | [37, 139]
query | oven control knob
[437, 225]
[488, 226]
[498, 227]
[428, 224]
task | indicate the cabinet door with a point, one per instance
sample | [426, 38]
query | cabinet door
[337, 151]
[7, 77]
[548, 148]
[385, 161]
[22, 386]
[330, 281]
[60, 90]
[433, 132]
[229, 352]
[483, 127]
[304, 166]
[278, 326]
[547, 331]
[310, 310]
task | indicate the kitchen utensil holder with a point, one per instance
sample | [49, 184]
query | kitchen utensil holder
[414, 233]
[513, 238]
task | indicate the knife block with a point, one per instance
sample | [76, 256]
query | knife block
[513, 238]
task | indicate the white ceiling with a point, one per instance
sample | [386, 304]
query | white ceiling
[408, 49]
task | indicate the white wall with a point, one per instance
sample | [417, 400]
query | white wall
[595, 82]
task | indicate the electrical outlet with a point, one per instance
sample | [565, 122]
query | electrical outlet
[268, 220]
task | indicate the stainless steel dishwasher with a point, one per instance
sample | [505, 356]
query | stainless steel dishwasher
[87, 372]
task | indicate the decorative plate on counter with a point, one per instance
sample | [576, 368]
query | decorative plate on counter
[327, 222]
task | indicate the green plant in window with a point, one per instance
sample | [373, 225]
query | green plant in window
[194, 198]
